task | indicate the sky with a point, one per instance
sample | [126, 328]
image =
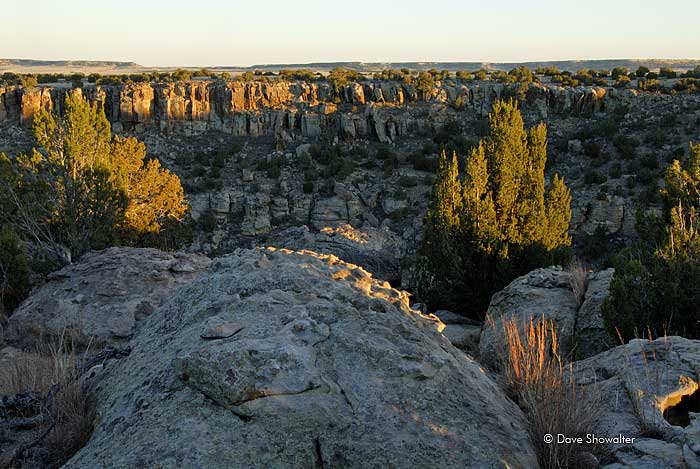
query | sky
[220, 32]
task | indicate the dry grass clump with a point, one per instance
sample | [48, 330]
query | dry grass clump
[578, 282]
[50, 374]
[544, 388]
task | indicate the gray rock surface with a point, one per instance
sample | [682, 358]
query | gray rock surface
[591, 336]
[541, 293]
[636, 383]
[332, 369]
[105, 294]
[378, 251]
[548, 293]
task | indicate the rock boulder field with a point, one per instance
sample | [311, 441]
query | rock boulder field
[279, 358]
[104, 295]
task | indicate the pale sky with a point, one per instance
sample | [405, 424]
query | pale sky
[220, 32]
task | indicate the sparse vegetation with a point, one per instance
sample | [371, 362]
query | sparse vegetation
[544, 387]
[50, 375]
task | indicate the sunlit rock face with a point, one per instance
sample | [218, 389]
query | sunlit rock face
[255, 109]
[280, 358]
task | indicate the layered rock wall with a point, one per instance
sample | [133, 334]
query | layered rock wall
[383, 110]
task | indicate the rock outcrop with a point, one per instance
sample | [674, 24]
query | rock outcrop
[548, 293]
[641, 389]
[376, 250]
[591, 336]
[294, 359]
[105, 294]
[541, 293]
[255, 109]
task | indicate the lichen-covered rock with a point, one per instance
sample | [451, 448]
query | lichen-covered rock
[591, 336]
[376, 250]
[638, 386]
[104, 295]
[330, 369]
[549, 293]
[542, 293]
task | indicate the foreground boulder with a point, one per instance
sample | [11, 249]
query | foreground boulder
[105, 295]
[294, 359]
[648, 390]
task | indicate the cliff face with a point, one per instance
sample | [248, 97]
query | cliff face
[380, 109]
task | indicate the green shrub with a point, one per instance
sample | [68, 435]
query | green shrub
[407, 181]
[618, 72]
[656, 286]
[595, 245]
[622, 82]
[308, 187]
[626, 146]
[667, 72]
[207, 221]
[591, 149]
[14, 271]
[592, 177]
[615, 170]
[198, 170]
[642, 71]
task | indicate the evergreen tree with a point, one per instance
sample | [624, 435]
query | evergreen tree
[656, 287]
[509, 222]
[155, 195]
[85, 190]
[442, 224]
[14, 271]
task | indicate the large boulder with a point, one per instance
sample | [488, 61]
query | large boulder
[549, 294]
[105, 295]
[295, 359]
[542, 293]
[647, 391]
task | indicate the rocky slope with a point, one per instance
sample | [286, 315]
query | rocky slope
[293, 359]
[186, 124]
[279, 358]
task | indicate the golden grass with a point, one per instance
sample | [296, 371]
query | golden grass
[53, 366]
[544, 387]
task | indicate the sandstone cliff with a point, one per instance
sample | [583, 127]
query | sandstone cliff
[375, 109]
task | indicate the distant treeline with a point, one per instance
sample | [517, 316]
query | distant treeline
[621, 77]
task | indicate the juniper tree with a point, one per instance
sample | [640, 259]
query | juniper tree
[509, 221]
[83, 189]
[656, 287]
